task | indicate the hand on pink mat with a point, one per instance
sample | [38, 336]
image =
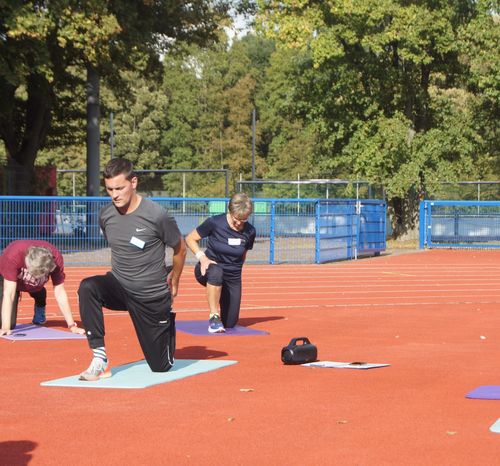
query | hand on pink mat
[77, 330]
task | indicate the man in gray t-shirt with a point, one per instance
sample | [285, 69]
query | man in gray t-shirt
[138, 231]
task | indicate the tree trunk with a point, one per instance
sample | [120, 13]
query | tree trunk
[404, 214]
[24, 139]
[93, 133]
[422, 120]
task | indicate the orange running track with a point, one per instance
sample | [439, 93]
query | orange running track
[434, 316]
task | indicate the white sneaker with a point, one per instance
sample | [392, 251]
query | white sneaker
[98, 369]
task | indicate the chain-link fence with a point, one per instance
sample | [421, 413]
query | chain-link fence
[311, 189]
[466, 191]
[162, 183]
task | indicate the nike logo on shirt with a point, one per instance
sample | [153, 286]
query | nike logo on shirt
[139, 229]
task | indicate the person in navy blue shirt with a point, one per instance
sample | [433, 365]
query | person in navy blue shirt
[229, 237]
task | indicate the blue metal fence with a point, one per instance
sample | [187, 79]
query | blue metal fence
[288, 230]
[346, 229]
[459, 224]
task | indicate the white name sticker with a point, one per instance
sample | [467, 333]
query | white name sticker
[137, 242]
[234, 241]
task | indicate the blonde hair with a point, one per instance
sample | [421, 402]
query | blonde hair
[240, 205]
[39, 261]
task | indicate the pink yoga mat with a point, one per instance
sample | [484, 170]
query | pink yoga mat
[486, 392]
[25, 332]
[200, 327]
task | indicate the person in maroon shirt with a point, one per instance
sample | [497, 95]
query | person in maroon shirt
[27, 265]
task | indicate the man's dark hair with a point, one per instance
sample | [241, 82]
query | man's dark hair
[119, 166]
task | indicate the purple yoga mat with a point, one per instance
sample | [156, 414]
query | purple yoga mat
[26, 332]
[486, 392]
[200, 327]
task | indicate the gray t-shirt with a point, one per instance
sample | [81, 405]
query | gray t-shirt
[138, 242]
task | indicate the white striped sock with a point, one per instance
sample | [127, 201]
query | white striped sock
[100, 353]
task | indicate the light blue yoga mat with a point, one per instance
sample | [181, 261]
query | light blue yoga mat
[496, 427]
[139, 375]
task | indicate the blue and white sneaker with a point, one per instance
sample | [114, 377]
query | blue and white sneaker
[215, 325]
[39, 317]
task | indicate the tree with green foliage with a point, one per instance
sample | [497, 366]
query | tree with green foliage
[211, 94]
[288, 128]
[396, 92]
[45, 47]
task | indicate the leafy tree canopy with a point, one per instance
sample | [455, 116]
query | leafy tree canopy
[46, 46]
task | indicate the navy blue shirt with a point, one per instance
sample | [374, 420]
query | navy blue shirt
[225, 245]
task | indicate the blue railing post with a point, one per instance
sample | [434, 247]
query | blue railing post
[422, 224]
[272, 232]
[456, 219]
[350, 223]
[384, 227]
[358, 228]
[317, 252]
[428, 225]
